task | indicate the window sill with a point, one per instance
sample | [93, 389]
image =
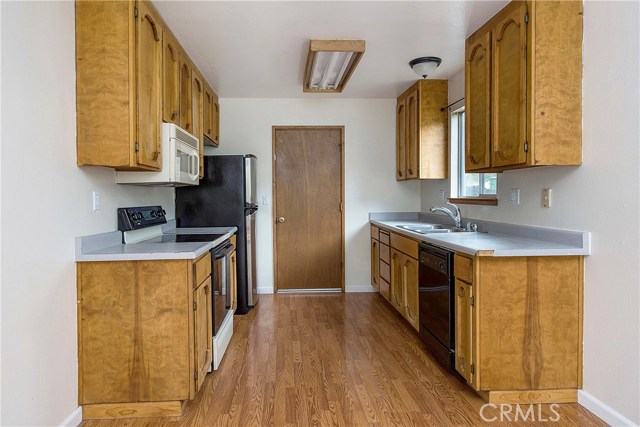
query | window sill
[487, 201]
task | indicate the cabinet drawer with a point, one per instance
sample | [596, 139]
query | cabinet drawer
[408, 246]
[385, 271]
[463, 268]
[384, 237]
[202, 269]
[384, 253]
[375, 231]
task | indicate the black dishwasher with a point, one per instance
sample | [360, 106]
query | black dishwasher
[436, 292]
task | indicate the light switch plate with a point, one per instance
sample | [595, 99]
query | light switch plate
[514, 196]
[546, 197]
[95, 197]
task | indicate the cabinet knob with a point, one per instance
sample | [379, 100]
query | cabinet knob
[281, 219]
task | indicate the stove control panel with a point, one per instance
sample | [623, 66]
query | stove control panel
[140, 217]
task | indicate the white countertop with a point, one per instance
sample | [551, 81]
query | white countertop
[109, 246]
[498, 244]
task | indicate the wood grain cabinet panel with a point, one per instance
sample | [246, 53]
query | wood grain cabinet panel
[410, 278]
[375, 263]
[523, 88]
[118, 127]
[171, 78]
[144, 336]
[519, 327]
[186, 106]
[197, 111]
[422, 131]
[211, 116]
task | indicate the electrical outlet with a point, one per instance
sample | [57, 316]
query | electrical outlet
[95, 197]
[546, 197]
[514, 196]
[441, 195]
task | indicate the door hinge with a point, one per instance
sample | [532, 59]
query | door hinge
[195, 306]
[137, 147]
[274, 157]
[135, 12]
[472, 368]
[526, 147]
[526, 18]
[472, 301]
[340, 207]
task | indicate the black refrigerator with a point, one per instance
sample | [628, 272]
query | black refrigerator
[226, 197]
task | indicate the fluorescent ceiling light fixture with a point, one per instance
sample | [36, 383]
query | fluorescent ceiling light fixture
[425, 66]
[330, 64]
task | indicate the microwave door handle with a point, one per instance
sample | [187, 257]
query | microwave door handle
[193, 166]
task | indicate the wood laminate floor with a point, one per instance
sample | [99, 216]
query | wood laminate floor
[337, 360]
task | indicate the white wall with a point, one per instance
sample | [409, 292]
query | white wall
[601, 196]
[370, 184]
[46, 202]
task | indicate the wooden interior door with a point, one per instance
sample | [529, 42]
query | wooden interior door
[308, 218]
[478, 104]
[509, 123]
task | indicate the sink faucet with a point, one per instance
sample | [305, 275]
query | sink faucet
[454, 213]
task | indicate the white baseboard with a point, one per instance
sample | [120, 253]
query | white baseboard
[74, 419]
[360, 288]
[602, 410]
[265, 290]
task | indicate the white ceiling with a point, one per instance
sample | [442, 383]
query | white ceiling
[258, 49]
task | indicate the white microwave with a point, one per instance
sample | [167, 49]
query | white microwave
[180, 161]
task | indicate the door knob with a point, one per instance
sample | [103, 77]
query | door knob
[281, 219]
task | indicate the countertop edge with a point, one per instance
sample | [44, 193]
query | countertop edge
[567, 251]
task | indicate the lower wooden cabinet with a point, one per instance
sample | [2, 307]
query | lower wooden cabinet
[404, 286]
[394, 271]
[144, 335]
[519, 327]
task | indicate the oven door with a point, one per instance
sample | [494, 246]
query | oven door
[221, 272]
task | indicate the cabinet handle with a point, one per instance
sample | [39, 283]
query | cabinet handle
[399, 173]
[173, 116]
[156, 154]
[409, 172]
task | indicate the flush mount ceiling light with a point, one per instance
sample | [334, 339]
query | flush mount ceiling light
[330, 64]
[425, 65]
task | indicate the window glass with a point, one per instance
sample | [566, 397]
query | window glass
[471, 184]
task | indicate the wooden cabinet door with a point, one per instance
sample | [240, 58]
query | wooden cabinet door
[170, 78]
[203, 324]
[397, 280]
[197, 102]
[216, 120]
[478, 104]
[149, 87]
[186, 108]
[509, 105]
[410, 276]
[464, 330]
[207, 112]
[401, 141]
[375, 263]
[412, 134]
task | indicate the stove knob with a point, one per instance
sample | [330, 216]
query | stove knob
[153, 214]
[163, 212]
[138, 215]
[160, 213]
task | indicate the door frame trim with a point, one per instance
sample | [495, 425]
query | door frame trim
[274, 203]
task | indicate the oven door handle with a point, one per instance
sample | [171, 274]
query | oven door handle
[221, 252]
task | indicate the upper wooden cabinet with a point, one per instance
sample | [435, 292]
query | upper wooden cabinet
[422, 131]
[523, 74]
[211, 116]
[171, 78]
[197, 105]
[118, 84]
[186, 107]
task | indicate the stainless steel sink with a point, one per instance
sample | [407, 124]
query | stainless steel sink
[431, 228]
